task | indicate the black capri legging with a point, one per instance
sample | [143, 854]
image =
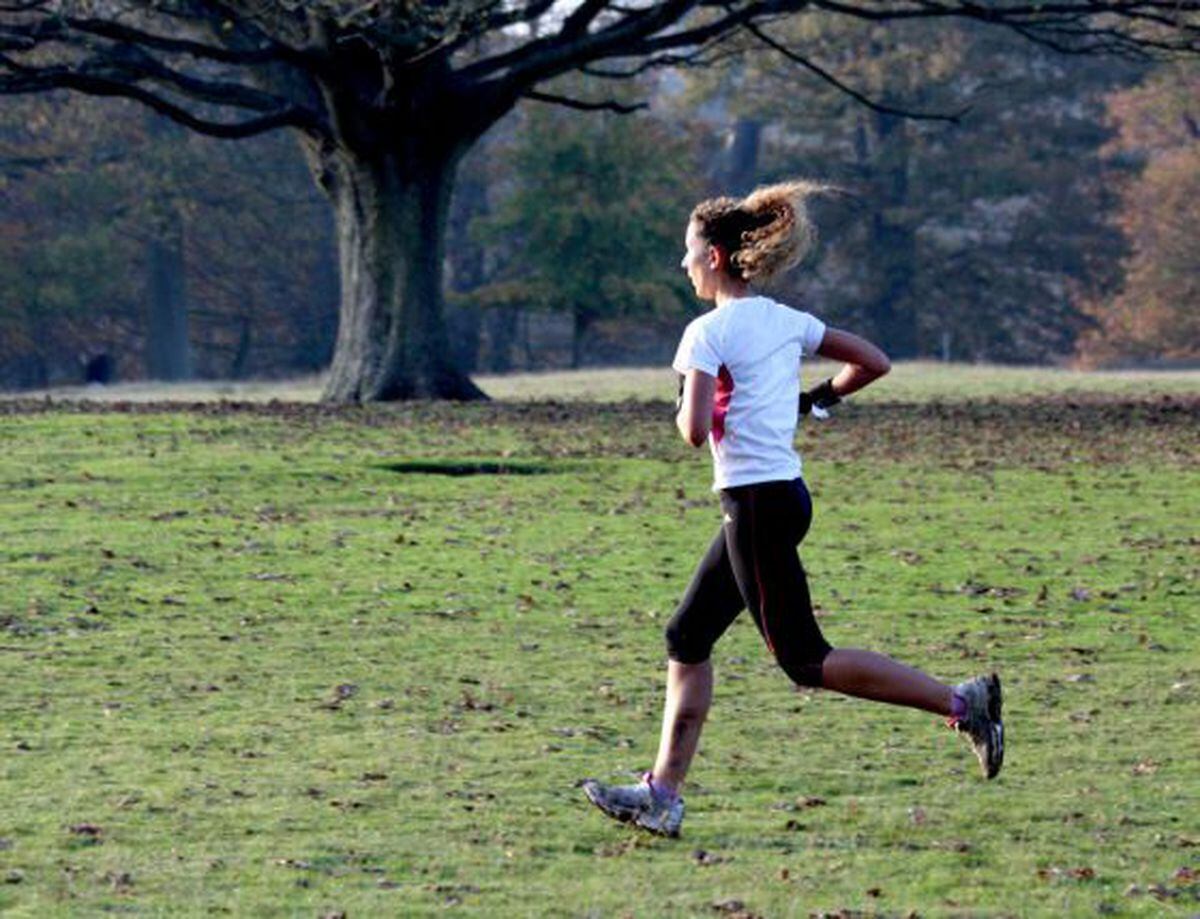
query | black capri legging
[752, 563]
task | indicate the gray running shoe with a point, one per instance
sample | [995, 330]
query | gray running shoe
[982, 722]
[638, 804]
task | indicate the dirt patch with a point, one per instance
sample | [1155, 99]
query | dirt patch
[1043, 432]
[468, 468]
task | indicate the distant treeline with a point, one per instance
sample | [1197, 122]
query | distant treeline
[1044, 213]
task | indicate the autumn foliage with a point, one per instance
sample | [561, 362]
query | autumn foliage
[1155, 317]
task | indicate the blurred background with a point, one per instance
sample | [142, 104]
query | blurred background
[1052, 221]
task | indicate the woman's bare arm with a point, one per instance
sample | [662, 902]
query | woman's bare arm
[865, 363]
[694, 419]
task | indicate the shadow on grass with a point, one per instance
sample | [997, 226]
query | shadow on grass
[472, 467]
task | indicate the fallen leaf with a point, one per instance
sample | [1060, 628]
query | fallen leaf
[1161, 892]
[121, 881]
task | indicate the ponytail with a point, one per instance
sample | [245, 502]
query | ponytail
[766, 233]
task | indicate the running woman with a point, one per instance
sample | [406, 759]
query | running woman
[741, 390]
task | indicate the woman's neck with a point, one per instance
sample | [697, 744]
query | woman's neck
[731, 290]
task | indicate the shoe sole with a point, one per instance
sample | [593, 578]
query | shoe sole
[666, 834]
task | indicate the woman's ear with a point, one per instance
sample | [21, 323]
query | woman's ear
[716, 258]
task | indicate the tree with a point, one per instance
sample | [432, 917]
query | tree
[89, 189]
[970, 223]
[597, 202]
[59, 298]
[387, 98]
[1156, 314]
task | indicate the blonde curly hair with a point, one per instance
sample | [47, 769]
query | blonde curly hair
[766, 233]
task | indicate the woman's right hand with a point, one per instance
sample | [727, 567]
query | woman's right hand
[820, 397]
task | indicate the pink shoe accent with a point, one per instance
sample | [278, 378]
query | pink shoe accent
[664, 795]
[958, 710]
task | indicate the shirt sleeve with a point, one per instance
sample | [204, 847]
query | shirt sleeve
[695, 351]
[811, 333]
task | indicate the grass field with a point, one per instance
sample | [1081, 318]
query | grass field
[291, 660]
[909, 381]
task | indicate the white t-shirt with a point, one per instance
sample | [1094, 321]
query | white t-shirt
[753, 346]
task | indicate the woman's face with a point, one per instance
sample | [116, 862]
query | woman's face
[701, 261]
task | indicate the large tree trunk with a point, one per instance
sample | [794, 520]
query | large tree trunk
[895, 241]
[579, 332]
[467, 270]
[743, 155]
[391, 215]
[167, 355]
[502, 336]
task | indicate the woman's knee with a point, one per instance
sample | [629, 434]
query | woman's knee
[683, 646]
[805, 667]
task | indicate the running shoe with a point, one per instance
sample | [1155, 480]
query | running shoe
[641, 804]
[982, 722]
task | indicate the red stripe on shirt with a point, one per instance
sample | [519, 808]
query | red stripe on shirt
[721, 402]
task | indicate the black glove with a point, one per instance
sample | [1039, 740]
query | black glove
[821, 396]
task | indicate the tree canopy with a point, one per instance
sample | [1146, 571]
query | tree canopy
[971, 226]
[387, 98]
[1156, 314]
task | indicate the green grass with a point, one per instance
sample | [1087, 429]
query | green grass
[186, 592]
[909, 381]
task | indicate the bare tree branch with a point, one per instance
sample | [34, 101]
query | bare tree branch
[23, 80]
[1032, 12]
[139, 65]
[842, 87]
[1046, 39]
[610, 105]
[380, 52]
[530, 12]
[715, 28]
[543, 58]
[704, 57]
[132, 64]
[10, 42]
[581, 18]
[16, 166]
[104, 28]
